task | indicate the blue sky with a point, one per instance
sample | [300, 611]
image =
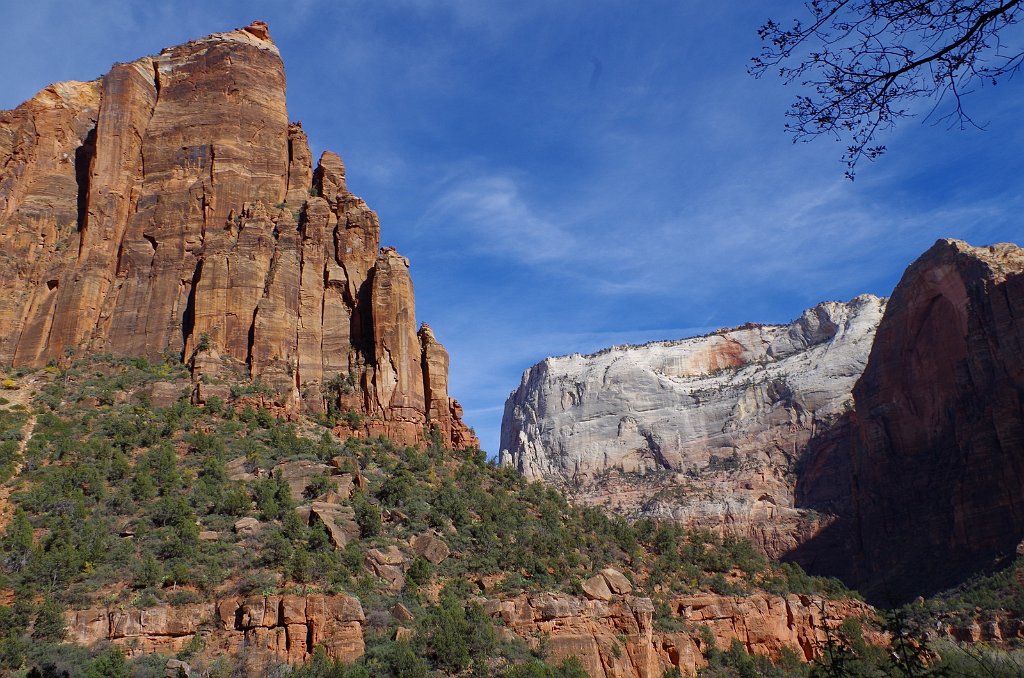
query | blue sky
[569, 175]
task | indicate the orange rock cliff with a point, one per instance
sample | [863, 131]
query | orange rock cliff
[170, 209]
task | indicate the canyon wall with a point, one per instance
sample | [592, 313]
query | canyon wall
[705, 430]
[928, 484]
[886, 449]
[169, 209]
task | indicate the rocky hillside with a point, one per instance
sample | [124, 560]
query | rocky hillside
[707, 431]
[136, 524]
[877, 442]
[170, 208]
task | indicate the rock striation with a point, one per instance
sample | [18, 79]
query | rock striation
[171, 209]
[926, 484]
[705, 430]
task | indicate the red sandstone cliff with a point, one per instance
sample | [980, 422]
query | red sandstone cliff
[169, 208]
[612, 638]
[617, 638]
[926, 477]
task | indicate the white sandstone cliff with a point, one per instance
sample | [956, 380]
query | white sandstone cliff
[706, 430]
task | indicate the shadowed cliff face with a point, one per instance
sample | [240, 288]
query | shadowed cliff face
[169, 208]
[927, 478]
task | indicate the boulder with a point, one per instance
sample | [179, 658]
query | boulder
[389, 564]
[596, 588]
[175, 668]
[344, 485]
[239, 469]
[401, 613]
[431, 547]
[164, 393]
[340, 522]
[299, 474]
[247, 526]
[617, 582]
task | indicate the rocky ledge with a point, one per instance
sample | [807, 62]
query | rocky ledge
[614, 637]
[618, 637]
[273, 629]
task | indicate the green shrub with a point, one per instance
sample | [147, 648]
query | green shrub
[148, 572]
[320, 484]
[367, 516]
[319, 665]
[420, 571]
[55, 659]
[534, 668]
[50, 625]
[736, 662]
[397, 489]
[353, 419]
[110, 664]
[396, 660]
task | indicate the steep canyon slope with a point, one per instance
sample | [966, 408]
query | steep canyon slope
[171, 208]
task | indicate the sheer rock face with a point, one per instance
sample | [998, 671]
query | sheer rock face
[398, 379]
[444, 411]
[932, 489]
[705, 430]
[45, 149]
[225, 245]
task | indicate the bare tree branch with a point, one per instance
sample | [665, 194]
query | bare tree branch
[867, 61]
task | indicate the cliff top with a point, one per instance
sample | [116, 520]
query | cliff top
[764, 328]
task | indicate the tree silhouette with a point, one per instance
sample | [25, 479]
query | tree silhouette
[867, 61]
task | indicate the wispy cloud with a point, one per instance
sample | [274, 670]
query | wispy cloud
[494, 217]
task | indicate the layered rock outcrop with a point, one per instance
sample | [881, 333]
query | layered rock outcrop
[617, 638]
[170, 209]
[705, 430]
[928, 484]
[272, 629]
